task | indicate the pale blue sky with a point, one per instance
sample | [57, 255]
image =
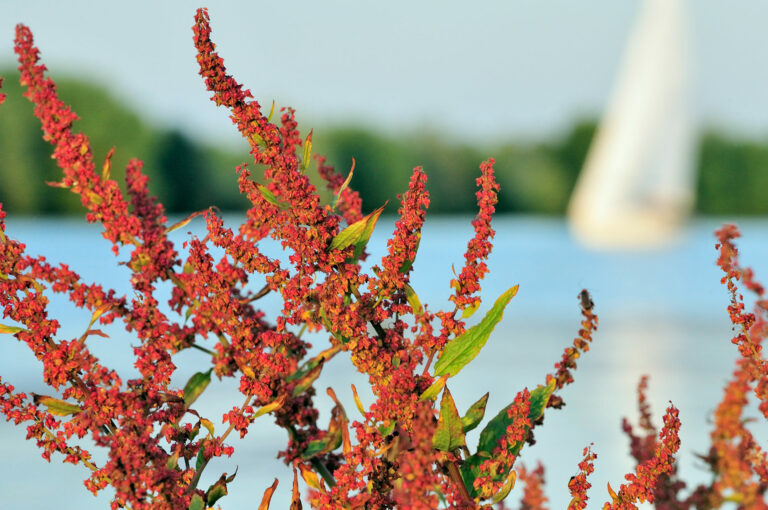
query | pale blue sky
[495, 70]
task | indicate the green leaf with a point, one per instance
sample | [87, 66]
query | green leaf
[307, 151]
[495, 430]
[270, 197]
[449, 434]
[357, 234]
[474, 414]
[4, 328]
[56, 407]
[431, 392]
[275, 404]
[307, 380]
[344, 184]
[172, 462]
[386, 430]
[319, 446]
[497, 427]
[509, 484]
[200, 460]
[195, 386]
[413, 300]
[197, 503]
[408, 263]
[470, 311]
[216, 491]
[463, 349]
[209, 426]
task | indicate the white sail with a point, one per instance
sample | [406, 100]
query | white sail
[636, 187]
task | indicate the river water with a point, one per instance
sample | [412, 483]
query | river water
[662, 313]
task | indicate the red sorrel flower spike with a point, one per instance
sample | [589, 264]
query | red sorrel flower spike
[578, 485]
[479, 248]
[349, 202]
[396, 265]
[644, 481]
[748, 338]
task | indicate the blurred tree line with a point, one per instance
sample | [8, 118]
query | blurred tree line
[187, 175]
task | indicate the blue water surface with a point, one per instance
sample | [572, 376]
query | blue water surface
[662, 313]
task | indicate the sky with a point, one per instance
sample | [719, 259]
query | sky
[499, 70]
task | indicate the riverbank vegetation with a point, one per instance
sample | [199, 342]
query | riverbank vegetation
[188, 175]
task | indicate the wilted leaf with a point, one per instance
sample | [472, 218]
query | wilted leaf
[474, 414]
[358, 402]
[196, 385]
[296, 498]
[310, 478]
[463, 349]
[265, 500]
[448, 435]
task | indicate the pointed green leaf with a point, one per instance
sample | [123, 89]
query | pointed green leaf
[463, 349]
[56, 407]
[474, 414]
[195, 386]
[209, 426]
[172, 462]
[509, 484]
[431, 392]
[319, 446]
[307, 151]
[413, 300]
[197, 503]
[271, 111]
[275, 404]
[4, 328]
[357, 234]
[270, 197]
[200, 460]
[470, 311]
[216, 491]
[497, 427]
[344, 184]
[306, 382]
[386, 430]
[449, 434]
[408, 263]
[494, 431]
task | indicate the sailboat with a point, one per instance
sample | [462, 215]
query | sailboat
[637, 185]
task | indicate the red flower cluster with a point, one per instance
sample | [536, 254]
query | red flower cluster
[407, 451]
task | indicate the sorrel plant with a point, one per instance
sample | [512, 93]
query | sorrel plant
[408, 450]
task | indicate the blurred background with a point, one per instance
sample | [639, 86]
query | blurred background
[548, 89]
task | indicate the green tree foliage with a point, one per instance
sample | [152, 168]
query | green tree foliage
[186, 175]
